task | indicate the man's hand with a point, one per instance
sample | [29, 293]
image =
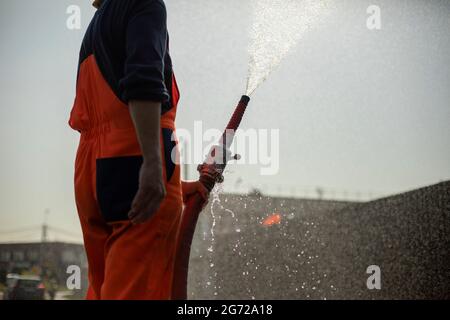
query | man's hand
[150, 194]
[190, 188]
[146, 117]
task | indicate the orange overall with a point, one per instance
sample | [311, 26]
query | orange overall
[125, 261]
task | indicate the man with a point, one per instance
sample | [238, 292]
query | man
[127, 185]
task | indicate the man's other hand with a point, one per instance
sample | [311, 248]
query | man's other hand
[150, 194]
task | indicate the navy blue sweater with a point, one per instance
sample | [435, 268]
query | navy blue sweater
[129, 40]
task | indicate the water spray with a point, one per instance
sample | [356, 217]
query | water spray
[278, 26]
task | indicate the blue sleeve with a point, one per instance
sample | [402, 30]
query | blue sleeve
[146, 45]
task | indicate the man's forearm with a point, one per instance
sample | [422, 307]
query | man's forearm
[146, 117]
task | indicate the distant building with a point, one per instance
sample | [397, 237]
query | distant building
[48, 259]
[315, 249]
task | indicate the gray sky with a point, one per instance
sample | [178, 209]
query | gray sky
[357, 110]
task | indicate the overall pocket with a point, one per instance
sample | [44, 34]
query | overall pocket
[118, 179]
[169, 151]
[117, 185]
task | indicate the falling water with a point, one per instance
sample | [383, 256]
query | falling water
[277, 27]
[215, 201]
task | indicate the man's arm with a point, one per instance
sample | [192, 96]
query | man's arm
[146, 117]
[143, 89]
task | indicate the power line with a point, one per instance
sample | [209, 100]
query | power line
[64, 232]
[34, 233]
[19, 230]
[30, 236]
